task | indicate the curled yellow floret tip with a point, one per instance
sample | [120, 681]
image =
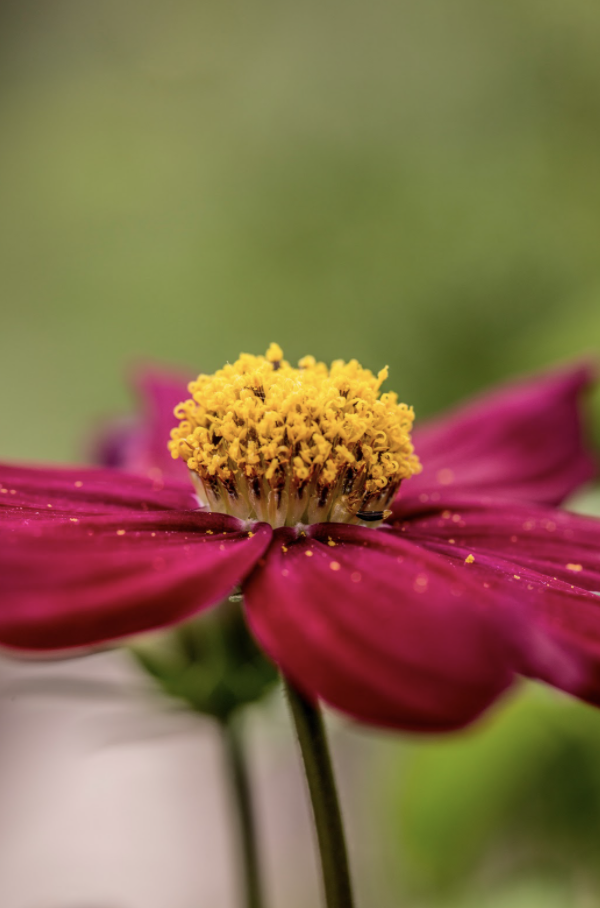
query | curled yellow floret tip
[268, 441]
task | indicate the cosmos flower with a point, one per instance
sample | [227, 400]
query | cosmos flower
[403, 597]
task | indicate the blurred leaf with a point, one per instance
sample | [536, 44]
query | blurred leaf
[211, 663]
[525, 784]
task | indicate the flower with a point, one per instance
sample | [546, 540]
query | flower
[413, 610]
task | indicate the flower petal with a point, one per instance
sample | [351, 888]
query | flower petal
[551, 542]
[139, 444]
[523, 441]
[34, 492]
[378, 628]
[546, 563]
[70, 582]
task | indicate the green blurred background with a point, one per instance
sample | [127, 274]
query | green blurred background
[416, 184]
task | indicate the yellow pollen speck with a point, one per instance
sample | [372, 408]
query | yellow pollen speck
[49, 505]
[78, 484]
[312, 444]
[250, 534]
[308, 554]
[517, 576]
[284, 548]
[575, 567]
[209, 533]
[335, 565]
[73, 519]
[331, 542]
[469, 559]
[153, 534]
[120, 532]
[452, 541]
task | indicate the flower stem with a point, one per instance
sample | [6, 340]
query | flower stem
[321, 784]
[240, 784]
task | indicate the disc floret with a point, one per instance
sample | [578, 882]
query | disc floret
[266, 441]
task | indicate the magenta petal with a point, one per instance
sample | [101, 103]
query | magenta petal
[551, 542]
[80, 490]
[381, 630]
[79, 581]
[560, 623]
[544, 562]
[160, 392]
[139, 444]
[523, 441]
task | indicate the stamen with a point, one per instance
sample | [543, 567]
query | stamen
[266, 441]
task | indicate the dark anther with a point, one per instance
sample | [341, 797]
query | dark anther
[349, 481]
[256, 486]
[324, 492]
[260, 392]
[230, 486]
[276, 365]
[370, 516]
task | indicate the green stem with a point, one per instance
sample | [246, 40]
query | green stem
[321, 784]
[240, 784]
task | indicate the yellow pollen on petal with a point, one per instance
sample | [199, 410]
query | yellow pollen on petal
[575, 567]
[469, 559]
[308, 554]
[335, 565]
[266, 441]
[120, 532]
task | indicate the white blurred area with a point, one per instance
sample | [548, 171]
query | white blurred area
[111, 797]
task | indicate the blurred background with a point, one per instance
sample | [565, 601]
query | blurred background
[411, 184]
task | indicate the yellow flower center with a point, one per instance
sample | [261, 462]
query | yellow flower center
[266, 441]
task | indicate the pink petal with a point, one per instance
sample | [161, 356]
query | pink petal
[81, 490]
[76, 581]
[544, 562]
[552, 542]
[139, 444]
[378, 628]
[524, 441]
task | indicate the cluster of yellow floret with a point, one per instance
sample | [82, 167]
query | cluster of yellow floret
[263, 419]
